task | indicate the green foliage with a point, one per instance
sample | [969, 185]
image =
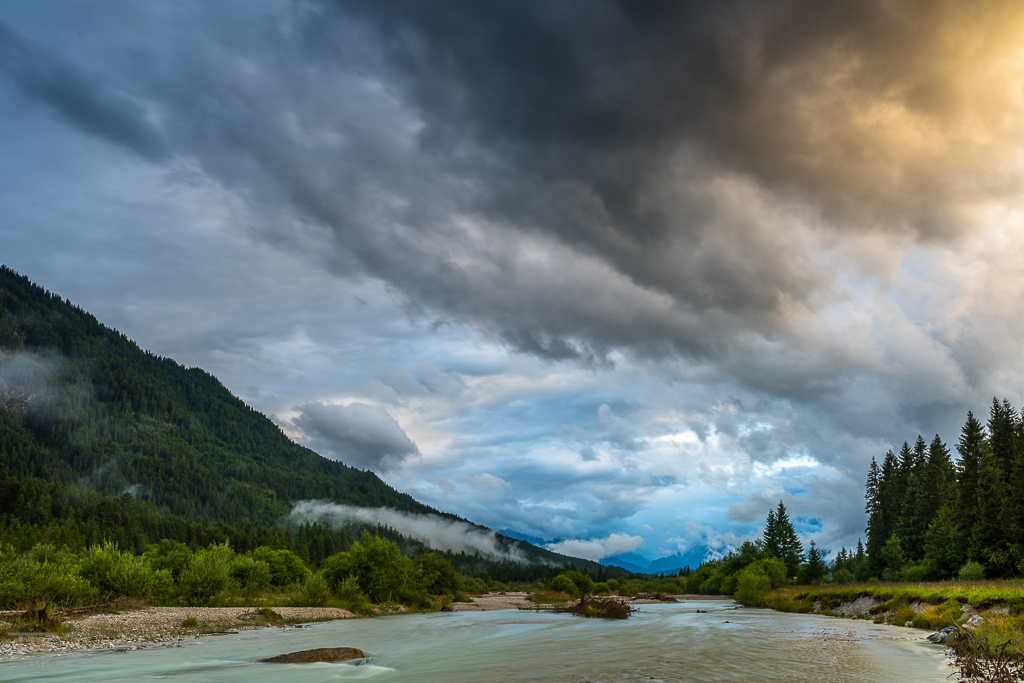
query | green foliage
[919, 571]
[972, 571]
[780, 540]
[46, 577]
[843, 576]
[377, 565]
[753, 586]
[208, 574]
[249, 573]
[315, 591]
[190, 622]
[286, 568]
[122, 574]
[563, 583]
[436, 574]
[815, 569]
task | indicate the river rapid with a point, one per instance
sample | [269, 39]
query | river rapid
[665, 642]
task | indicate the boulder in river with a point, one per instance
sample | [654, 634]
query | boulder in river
[943, 635]
[320, 654]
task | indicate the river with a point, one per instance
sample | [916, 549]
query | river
[665, 642]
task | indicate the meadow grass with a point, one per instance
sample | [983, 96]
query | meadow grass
[940, 604]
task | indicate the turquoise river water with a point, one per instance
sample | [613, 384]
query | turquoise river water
[665, 642]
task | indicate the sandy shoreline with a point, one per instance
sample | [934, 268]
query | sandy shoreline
[162, 626]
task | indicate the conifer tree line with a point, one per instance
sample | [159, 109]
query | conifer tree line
[933, 517]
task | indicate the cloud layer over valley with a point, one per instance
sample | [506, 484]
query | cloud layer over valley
[619, 276]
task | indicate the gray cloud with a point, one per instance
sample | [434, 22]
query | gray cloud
[82, 99]
[361, 435]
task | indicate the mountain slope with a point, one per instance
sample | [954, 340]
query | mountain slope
[87, 418]
[80, 400]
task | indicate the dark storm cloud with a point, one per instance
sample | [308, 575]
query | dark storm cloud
[360, 435]
[675, 179]
[78, 97]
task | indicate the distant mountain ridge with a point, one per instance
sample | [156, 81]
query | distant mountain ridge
[672, 563]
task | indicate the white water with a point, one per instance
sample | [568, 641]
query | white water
[669, 642]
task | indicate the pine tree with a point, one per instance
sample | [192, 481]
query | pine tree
[913, 523]
[771, 542]
[861, 569]
[883, 520]
[1015, 500]
[944, 543]
[970, 446]
[940, 479]
[988, 536]
[791, 550]
[1002, 423]
[815, 569]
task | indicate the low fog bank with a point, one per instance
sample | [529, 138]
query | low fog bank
[434, 531]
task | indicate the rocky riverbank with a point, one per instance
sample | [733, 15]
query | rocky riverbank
[160, 627]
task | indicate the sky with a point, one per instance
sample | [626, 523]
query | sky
[617, 276]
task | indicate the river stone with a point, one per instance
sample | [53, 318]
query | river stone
[942, 636]
[320, 654]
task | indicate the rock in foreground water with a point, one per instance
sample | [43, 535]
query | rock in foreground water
[320, 654]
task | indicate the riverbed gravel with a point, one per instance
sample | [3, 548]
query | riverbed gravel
[158, 627]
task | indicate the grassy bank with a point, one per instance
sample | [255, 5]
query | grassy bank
[924, 605]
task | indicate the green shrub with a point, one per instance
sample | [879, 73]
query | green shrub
[190, 622]
[170, 555]
[843, 576]
[269, 614]
[377, 565]
[972, 571]
[752, 586]
[435, 574]
[903, 615]
[208, 574]
[922, 621]
[43, 577]
[712, 585]
[564, 584]
[315, 591]
[919, 571]
[250, 573]
[286, 568]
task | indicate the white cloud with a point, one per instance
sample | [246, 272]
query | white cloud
[597, 548]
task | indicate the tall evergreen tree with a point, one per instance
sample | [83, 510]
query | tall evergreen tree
[1002, 435]
[791, 550]
[988, 536]
[913, 519]
[1015, 501]
[940, 479]
[815, 569]
[771, 541]
[882, 522]
[861, 569]
[970, 446]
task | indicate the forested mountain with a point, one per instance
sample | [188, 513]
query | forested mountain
[929, 515]
[102, 440]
